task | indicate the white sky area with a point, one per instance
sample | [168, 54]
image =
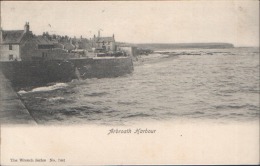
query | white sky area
[234, 22]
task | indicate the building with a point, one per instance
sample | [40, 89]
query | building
[68, 45]
[129, 50]
[36, 48]
[17, 45]
[104, 43]
[23, 45]
[83, 44]
[11, 42]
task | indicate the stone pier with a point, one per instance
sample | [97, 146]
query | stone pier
[12, 110]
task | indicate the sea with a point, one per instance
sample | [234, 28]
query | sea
[188, 85]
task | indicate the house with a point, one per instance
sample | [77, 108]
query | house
[69, 46]
[104, 43]
[23, 45]
[11, 42]
[83, 44]
[36, 48]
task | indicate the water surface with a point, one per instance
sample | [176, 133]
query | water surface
[220, 86]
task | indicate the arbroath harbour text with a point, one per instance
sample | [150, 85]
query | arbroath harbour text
[129, 131]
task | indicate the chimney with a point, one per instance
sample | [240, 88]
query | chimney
[98, 33]
[26, 27]
[113, 36]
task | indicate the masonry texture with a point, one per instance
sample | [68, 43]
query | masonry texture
[12, 110]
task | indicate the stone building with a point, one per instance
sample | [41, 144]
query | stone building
[17, 45]
[104, 43]
[11, 42]
[37, 48]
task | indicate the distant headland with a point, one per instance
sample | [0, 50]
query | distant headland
[156, 46]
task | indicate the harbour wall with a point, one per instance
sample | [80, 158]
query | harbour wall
[103, 67]
[30, 73]
[12, 110]
[33, 73]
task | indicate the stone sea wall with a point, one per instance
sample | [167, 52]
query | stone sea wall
[32, 73]
[102, 67]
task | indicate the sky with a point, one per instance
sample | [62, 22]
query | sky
[235, 22]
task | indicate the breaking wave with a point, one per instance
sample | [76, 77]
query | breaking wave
[45, 88]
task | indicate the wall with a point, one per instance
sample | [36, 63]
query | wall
[52, 54]
[5, 52]
[30, 51]
[130, 51]
[113, 46]
[103, 67]
[110, 46]
[31, 73]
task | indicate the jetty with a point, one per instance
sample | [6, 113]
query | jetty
[12, 110]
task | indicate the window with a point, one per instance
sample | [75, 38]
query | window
[10, 47]
[11, 57]
[44, 55]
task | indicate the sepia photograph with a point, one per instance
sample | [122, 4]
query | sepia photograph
[129, 82]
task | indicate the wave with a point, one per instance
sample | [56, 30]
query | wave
[45, 88]
[127, 103]
[248, 106]
[53, 99]
[95, 94]
[136, 115]
[22, 92]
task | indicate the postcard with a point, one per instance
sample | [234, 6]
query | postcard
[129, 82]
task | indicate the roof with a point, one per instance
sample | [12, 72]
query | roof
[58, 45]
[12, 37]
[84, 44]
[105, 39]
[42, 41]
[68, 46]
